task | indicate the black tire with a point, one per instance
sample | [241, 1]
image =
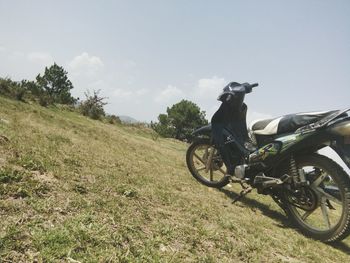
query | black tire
[339, 230]
[221, 180]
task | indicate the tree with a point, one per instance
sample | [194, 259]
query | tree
[180, 120]
[56, 84]
[93, 106]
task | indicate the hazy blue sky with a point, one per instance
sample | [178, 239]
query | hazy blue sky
[146, 55]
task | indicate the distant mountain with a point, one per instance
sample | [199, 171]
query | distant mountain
[128, 119]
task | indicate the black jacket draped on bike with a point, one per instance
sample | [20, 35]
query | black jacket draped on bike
[232, 116]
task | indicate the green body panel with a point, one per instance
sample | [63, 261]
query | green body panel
[291, 139]
[279, 146]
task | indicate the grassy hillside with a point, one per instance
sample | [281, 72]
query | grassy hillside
[73, 189]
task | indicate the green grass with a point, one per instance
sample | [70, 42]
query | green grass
[76, 189]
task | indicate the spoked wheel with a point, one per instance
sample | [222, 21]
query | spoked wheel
[205, 164]
[322, 208]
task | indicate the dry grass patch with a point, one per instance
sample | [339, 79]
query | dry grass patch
[76, 189]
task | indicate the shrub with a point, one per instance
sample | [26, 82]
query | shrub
[12, 89]
[45, 99]
[113, 119]
[32, 88]
[19, 93]
[93, 106]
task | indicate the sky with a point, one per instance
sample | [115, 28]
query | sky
[144, 56]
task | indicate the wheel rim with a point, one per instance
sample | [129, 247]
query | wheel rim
[212, 172]
[322, 208]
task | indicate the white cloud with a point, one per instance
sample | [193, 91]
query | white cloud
[253, 115]
[85, 63]
[125, 94]
[121, 93]
[17, 55]
[42, 58]
[141, 92]
[205, 92]
[86, 72]
[169, 94]
[98, 84]
[129, 64]
[210, 87]
[23, 65]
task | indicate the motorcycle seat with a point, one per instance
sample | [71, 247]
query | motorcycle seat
[287, 123]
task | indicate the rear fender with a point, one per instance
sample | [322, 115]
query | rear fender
[342, 147]
[337, 136]
[341, 129]
[342, 144]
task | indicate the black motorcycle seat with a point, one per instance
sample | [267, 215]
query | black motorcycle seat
[287, 123]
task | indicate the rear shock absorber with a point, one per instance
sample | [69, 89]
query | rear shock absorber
[297, 175]
[293, 170]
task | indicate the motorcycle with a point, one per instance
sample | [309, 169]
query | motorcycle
[313, 190]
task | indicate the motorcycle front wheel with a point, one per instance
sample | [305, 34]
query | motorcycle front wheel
[205, 163]
[321, 209]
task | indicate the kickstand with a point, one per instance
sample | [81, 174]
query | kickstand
[246, 190]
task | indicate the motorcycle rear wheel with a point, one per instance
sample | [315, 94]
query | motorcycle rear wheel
[205, 163]
[323, 213]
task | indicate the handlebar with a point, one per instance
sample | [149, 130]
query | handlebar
[249, 87]
[236, 89]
